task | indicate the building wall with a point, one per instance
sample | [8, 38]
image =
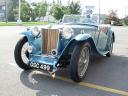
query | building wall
[4, 7]
[2, 10]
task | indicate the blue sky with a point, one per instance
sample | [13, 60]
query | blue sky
[120, 5]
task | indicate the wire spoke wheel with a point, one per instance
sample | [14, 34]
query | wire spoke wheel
[80, 61]
[21, 54]
[83, 61]
[24, 53]
[110, 48]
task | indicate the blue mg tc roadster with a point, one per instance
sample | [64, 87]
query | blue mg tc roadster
[70, 43]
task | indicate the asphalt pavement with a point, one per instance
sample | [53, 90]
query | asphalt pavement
[105, 76]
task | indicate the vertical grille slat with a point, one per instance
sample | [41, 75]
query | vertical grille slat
[49, 40]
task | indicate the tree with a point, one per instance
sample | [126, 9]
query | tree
[74, 8]
[112, 16]
[35, 10]
[25, 10]
[43, 9]
[12, 10]
[53, 7]
[125, 20]
[59, 2]
[66, 10]
[113, 19]
[57, 10]
[58, 13]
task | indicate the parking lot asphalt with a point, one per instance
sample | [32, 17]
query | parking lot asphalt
[105, 76]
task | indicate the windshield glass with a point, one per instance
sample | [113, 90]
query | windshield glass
[79, 19]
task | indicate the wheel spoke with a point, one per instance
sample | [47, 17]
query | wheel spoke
[24, 53]
[83, 61]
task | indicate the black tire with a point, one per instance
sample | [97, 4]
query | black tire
[109, 54]
[74, 63]
[17, 54]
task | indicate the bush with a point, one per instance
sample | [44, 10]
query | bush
[126, 20]
[118, 23]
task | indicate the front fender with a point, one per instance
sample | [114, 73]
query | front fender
[74, 41]
[26, 33]
[29, 36]
[34, 41]
[82, 37]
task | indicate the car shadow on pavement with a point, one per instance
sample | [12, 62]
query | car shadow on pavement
[45, 85]
[102, 71]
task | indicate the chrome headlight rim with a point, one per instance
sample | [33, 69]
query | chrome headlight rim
[67, 33]
[35, 32]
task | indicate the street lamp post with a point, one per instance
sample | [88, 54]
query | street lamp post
[19, 8]
[126, 7]
[19, 21]
[6, 11]
[99, 11]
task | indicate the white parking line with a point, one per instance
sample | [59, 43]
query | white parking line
[13, 64]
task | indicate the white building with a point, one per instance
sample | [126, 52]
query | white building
[2, 10]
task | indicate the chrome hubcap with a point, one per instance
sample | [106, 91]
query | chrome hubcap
[83, 62]
[24, 53]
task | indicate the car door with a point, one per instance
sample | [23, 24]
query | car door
[90, 30]
[102, 37]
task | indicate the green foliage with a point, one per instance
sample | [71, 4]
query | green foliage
[25, 10]
[34, 10]
[28, 10]
[23, 23]
[125, 20]
[43, 9]
[74, 8]
[66, 10]
[58, 13]
[58, 10]
[12, 10]
[117, 22]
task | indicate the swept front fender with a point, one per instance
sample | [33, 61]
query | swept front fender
[29, 36]
[26, 33]
[82, 37]
[34, 41]
[72, 43]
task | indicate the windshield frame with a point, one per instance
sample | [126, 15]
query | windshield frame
[74, 20]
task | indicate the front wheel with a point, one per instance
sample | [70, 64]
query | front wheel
[21, 54]
[79, 61]
[110, 48]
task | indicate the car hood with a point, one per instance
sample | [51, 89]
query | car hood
[52, 26]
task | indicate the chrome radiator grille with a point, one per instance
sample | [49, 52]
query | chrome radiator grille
[49, 40]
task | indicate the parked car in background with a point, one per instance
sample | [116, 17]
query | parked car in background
[70, 43]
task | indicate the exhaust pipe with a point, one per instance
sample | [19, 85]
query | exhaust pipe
[52, 73]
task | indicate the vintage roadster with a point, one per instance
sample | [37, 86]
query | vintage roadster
[69, 43]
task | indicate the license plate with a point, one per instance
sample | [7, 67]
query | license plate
[41, 66]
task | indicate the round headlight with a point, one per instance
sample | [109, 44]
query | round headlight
[67, 33]
[35, 31]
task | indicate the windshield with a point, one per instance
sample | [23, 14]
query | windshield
[78, 19]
